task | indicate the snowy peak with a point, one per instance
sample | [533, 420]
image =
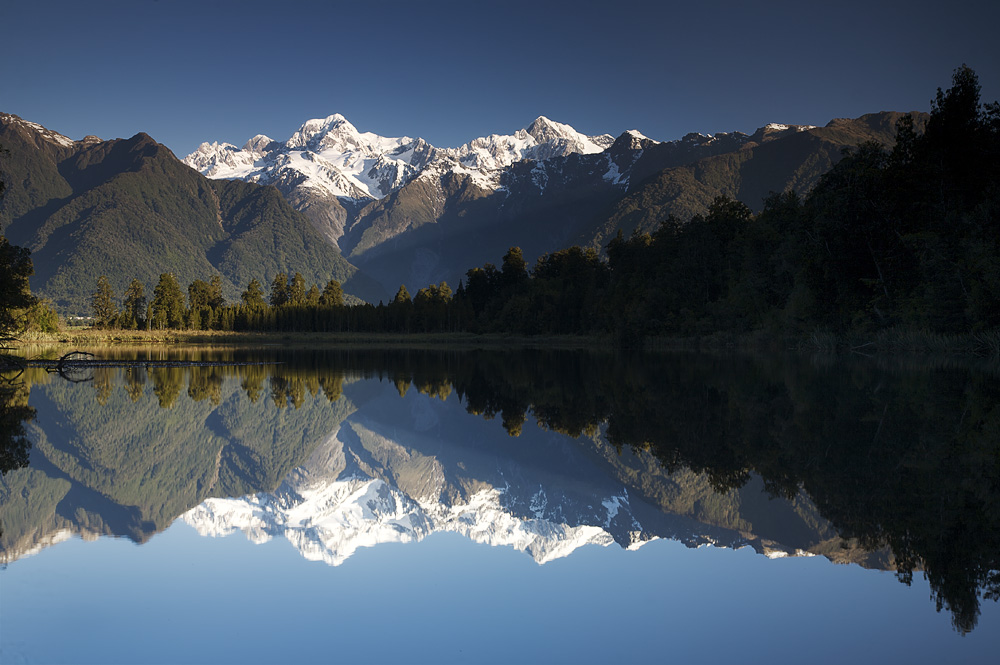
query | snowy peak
[224, 160]
[260, 145]
[335, 134]
[632, 140]
[330, 155]
[544, 130]
[774, 130]
[542, 139]
[48, 135]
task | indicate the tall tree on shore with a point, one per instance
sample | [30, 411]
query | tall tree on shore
[168, 303]
[279, 290]
[297, 290]
[333, 294]
[15, 295]
[102, 303]
[253, 297]
[134, 305]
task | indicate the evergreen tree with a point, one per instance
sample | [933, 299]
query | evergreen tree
[199, 294]
[402, 296]
[253, 297]
[102, 303]
[313, 296]
[279, 290]
[514, 270]
[168, 303]
[134, 306]
[215, 299]
[297, 290]
[333, 295]
[15, 295]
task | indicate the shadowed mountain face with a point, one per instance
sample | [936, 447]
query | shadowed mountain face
[128, 209]
[886, 466]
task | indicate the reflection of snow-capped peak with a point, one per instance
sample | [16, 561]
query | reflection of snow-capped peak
[329, 521]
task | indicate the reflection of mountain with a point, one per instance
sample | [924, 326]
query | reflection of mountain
[680, 446]
[397, 471]
[103, 464]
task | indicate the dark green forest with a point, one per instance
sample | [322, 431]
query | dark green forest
[900, 238]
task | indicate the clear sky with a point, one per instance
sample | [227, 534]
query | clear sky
[204, 70]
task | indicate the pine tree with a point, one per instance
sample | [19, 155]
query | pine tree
[253, 297]
[402, 296]
[279, 290]
[134, 306]
[15, 296]
[215, 299]
[168, 303]
[313, 296]
[333, 295]
[103, 304]
[297, 290]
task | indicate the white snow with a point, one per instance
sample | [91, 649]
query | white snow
[331, 155]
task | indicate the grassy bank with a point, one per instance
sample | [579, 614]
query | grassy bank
[79, 337]
[884, 342]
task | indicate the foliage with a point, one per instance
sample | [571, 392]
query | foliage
[102, 304]
[15, 295]
[168, 303]
[134, 306]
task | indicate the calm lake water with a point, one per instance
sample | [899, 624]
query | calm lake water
[419, 506]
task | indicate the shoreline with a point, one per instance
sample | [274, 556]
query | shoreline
[893, 341]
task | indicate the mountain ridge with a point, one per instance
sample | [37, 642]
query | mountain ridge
[541, 188]
[83, 206]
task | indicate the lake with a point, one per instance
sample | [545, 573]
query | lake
[283, 505]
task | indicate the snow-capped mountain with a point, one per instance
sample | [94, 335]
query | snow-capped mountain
[410, 213]
[37, 132]
[541, 140]
[330, 155]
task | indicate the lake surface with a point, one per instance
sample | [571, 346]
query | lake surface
[420, 506]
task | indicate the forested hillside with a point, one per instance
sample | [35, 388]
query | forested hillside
[129, 209]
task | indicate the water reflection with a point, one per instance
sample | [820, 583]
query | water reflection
[883, 466]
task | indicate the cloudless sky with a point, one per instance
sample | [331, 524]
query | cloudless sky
[187, 71]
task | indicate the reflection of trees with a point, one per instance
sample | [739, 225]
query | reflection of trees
[167, 384]
[206, 383]
[14, 413]
[135, 382]
[904, 457]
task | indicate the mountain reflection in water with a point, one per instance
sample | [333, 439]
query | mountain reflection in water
[883, 465]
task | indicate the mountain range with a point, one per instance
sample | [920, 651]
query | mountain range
[410, 213]
[371, 211]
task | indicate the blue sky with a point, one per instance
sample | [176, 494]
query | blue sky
[186, 72]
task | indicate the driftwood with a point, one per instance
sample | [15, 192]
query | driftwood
[72, 365]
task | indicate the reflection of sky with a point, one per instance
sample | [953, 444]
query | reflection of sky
[183, 598]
